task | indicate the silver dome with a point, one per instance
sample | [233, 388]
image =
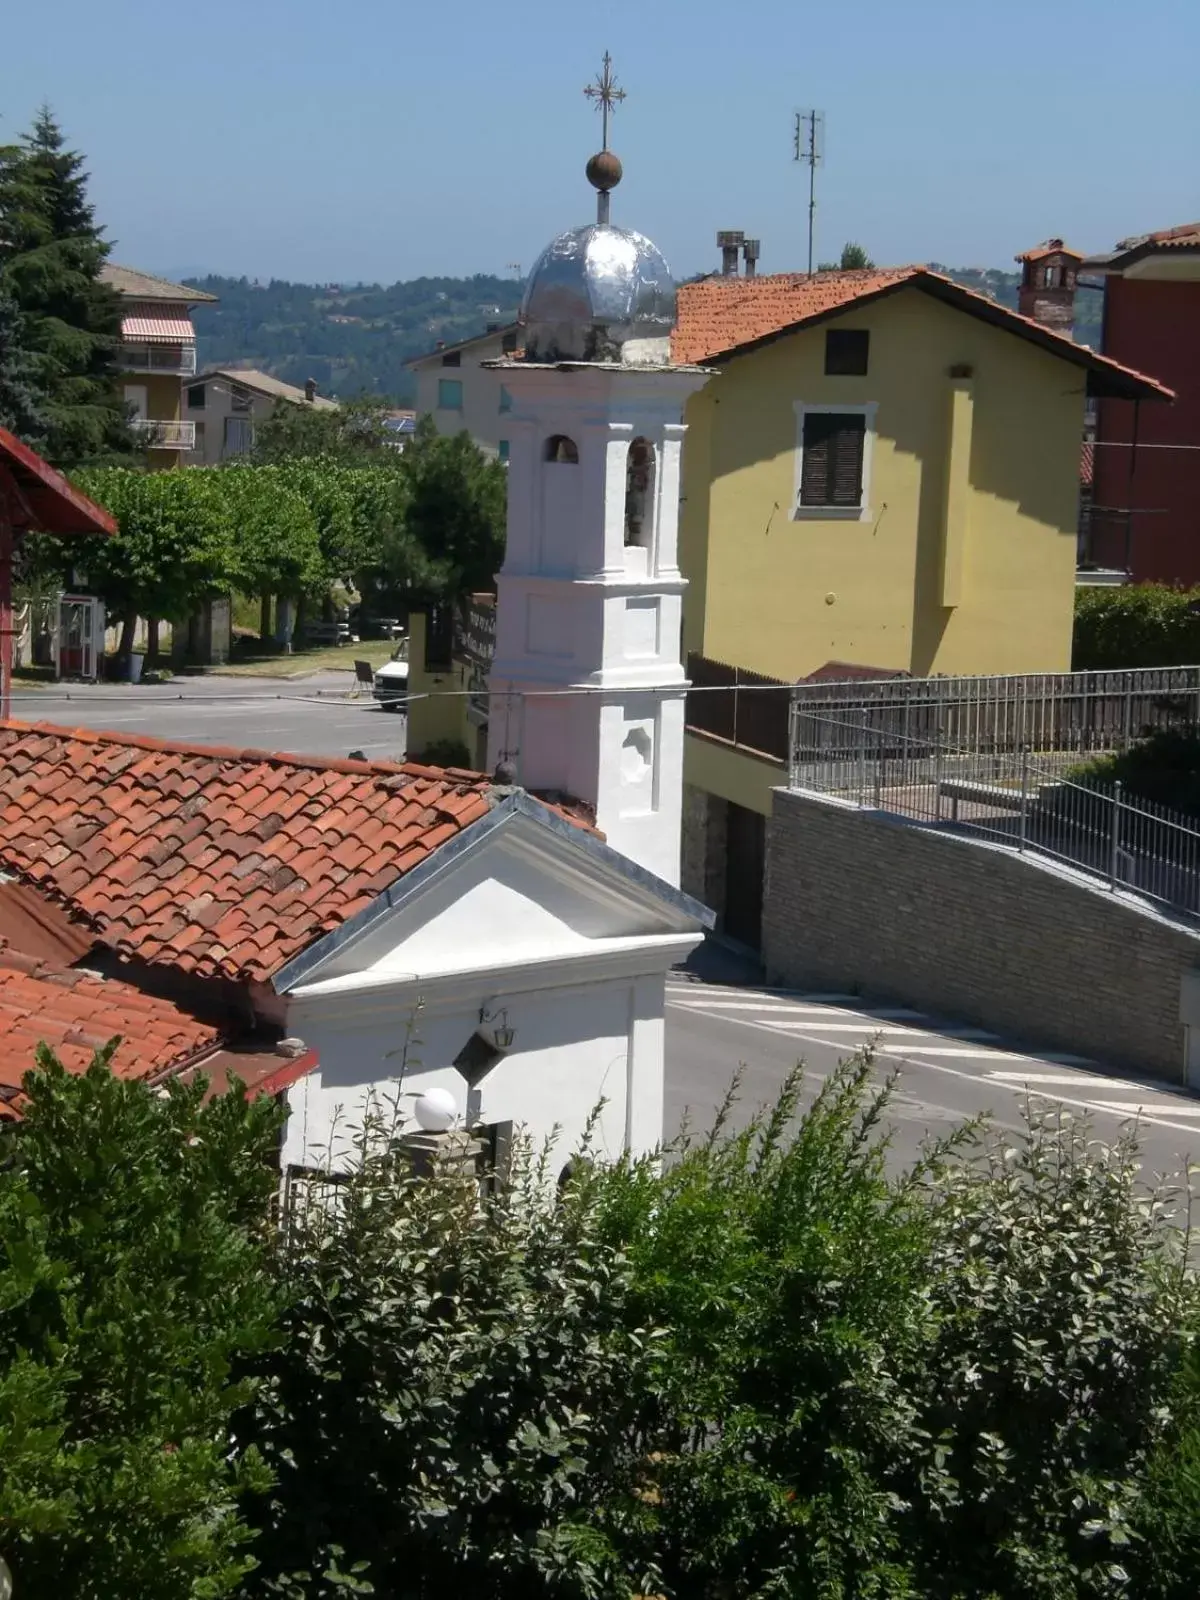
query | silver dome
[599, 293]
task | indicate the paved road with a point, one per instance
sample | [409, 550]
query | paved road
[948, 1074]
[313, 715]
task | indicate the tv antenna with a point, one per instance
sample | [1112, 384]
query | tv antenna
[808, 145]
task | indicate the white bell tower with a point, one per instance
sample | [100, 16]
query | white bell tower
[587, 684]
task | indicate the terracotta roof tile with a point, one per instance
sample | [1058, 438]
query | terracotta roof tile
[720, 316]
[76, 1013]
[239, 859]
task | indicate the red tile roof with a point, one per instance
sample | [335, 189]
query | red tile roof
[719, 314]
[1049, 247]
[721, 317]
[76, 1014]
[1188, 233]
[221, 862]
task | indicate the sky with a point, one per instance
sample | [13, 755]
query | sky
[374, 141]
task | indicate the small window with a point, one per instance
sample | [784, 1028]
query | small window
[452, 358]
[831, 472]
[562, 450]
[846, 352]
[196, 397]
[639, 499]
[1052, 277]
[502, 450]
[505, 399]
[240, 398]
[450, 394]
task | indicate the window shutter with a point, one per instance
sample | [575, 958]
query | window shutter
[832, 470]
[814, 479]
[847, 465]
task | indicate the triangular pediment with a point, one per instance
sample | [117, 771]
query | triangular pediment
[519, 892]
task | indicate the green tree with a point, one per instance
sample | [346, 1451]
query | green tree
[353, 434]
[51, 255]
[135, 1277]
[276, 545]
[173, 548]
[21, 400]
[457, 507]
[853, 259]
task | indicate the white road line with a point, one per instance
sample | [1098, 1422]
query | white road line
[896, 1013]
[1132, 1107]
[975, 1078]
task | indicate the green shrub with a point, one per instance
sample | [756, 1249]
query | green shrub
[1138, 625]
[444, 753]
[1163, 767]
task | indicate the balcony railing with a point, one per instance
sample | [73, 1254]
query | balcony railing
[179, 359]
[164, 435]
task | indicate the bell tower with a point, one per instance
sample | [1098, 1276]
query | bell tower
[587, 684]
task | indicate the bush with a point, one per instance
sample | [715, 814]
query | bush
[134, 1277]
[1138, 625]
[1162, 767]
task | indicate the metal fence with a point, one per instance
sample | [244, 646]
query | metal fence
[742, 707]
[1011, 796]
[1048, 713]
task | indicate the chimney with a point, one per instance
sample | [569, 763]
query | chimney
[310, 390]
[1047, 289]
[729, 243]
[750, 252]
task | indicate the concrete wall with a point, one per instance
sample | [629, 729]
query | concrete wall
[480, 415]
[864, 902]
[963, 566]
[573, 1048]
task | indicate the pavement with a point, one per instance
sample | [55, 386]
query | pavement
[313, 715]
[718, 1014]
[947, 1073]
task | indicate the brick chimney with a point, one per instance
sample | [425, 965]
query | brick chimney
[1047, 291]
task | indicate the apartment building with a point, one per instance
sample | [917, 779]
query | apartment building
[157, 357]
[224, 404]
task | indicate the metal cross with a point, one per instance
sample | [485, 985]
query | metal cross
[605, 93]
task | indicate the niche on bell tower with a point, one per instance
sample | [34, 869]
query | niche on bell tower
[559, 506]
[639, 506]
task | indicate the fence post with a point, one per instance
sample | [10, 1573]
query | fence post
[1115, 841]
[1024, 796]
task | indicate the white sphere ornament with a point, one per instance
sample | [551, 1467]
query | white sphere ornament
[435, 1110]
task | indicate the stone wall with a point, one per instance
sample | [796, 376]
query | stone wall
[705, 824]
[865, 902]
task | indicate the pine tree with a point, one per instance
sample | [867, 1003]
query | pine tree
[21, 399]
[51, 255]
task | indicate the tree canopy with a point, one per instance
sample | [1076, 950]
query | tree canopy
[51, 255]
[767, 1366]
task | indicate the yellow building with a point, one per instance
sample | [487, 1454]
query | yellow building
[157, 356]
[883, 474]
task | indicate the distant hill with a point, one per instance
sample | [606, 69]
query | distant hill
[355, 338]
[352, 338]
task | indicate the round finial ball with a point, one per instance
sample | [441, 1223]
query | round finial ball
[435, 1110]
[604, 171]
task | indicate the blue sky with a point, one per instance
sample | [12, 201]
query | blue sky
[377, 141]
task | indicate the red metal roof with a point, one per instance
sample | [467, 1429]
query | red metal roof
[157, 330]
[51, 505]
[216, 861]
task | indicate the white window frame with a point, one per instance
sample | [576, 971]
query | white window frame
[859, 513]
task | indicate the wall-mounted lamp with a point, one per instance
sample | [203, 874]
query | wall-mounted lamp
[497, 1025]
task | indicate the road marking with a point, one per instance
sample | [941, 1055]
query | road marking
[1130, 1107]
[1098, 1083]
[886, 1012]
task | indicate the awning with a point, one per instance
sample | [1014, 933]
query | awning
[157, 330]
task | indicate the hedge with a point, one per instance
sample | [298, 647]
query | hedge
[1138, 625]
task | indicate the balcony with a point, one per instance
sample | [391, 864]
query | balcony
[177, 359]
[164, 435]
